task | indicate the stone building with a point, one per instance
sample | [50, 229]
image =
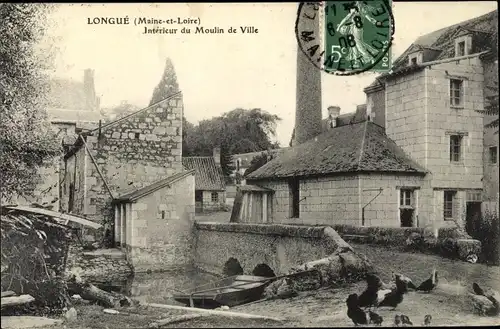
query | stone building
[428, 107]
[210, 186]
[72, 108]
[351, 174]
[430, 165]
[130, 155]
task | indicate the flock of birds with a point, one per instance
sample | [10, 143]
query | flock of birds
[377, 294]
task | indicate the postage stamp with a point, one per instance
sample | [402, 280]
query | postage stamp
[346, 37]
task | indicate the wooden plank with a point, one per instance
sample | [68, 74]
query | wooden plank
[212, 312]
[56, 214]
[236, 213]
[8, 293]
[264, 207]
[16, 300]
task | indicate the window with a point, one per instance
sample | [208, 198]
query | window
[406, 198]
[163, 214]
[456, 92]
[215, 197]
[293, 186]
[493, 154]
[413, 61]
[461, 49]
[455, 148]
[449, 204]
[137, 135]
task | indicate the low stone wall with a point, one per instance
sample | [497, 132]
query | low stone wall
[102, 266]
[281, 248]
[451, 242]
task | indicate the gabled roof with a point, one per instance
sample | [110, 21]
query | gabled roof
[486, 26]
[208, 175]
[141, 192]
[68, 115]
[362, 147]
[66, 94]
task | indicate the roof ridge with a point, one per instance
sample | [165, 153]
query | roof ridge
[134, 113]
[362, 146]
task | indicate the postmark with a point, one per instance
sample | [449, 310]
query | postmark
[346, 37]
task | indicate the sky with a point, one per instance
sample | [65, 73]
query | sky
[220, 72]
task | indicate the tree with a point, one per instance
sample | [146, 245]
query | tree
[26, 138]
[237, 131]
[168, 84]
[117, 112]
[258, 161]
[491, 109]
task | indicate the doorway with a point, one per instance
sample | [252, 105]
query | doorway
[473, 217]
[407, 217]
[198, 201]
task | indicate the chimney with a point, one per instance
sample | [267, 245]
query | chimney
[216, 155]
[333, 113]
[89, 90]
[308, 93]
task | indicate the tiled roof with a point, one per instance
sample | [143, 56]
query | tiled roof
[208, 175]
[139, 193]
[66, 94]
[485, 27]
[362, 147]
[76, 116]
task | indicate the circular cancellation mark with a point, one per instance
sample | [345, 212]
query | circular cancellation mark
[346, 37]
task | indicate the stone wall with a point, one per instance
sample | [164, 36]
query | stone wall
[490, 180]
[209, 205]
[443, 120]
[103, 266]
[383, 210]
[326, 200]
[281, 247]
[131, 153]
[161, 226]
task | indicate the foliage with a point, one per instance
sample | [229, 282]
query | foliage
[491, 109]
[237, 131]
[26, 139]
[488, 232]
[34, 251]
[119, 111]
[168, 84]
[258, 161]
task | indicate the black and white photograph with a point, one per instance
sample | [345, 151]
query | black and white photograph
[237, 165]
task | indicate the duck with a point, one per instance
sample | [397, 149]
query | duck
[427, 320]
[354, 312]
[477, 289]
[375, 318]
[397, 320]
[429, 284]
[405, 320]
[395, 296]
[407, 280]
[369, 296]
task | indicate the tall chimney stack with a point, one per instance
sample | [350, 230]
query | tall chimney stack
[89, 90]
[333, 113]
[216, 155]
[308, 94]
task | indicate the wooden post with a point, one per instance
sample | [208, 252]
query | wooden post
[250, 213]
[264, 207]
[123, 219]
[117, 225]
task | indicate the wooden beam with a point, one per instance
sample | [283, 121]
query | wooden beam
[16, 300]
[264, 207]
[213, 312]
[56, 214]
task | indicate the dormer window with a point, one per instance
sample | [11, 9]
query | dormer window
[415, 58]
[461, 48]
[463, 45]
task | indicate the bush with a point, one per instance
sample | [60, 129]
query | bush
[488, 232]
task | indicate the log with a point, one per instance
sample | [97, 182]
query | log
[175, 319]
[16, 300]
[90, 292]
[213, 312]
[8, 293]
